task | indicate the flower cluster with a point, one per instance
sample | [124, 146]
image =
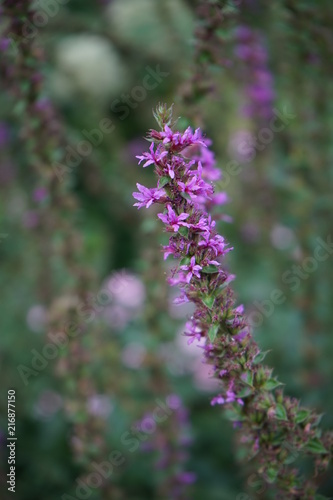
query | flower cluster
[252, 397]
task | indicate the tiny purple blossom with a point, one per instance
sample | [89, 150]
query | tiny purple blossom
[171, 171]
[219, 198]
[147, 196]
[181, 140]
[192, 269]
[39, 194]
[169, 250]
[172, 219]
[216, 244]
[187, 478]
[181, 300]
[155, 157]
[193, 332]
[217, 400]
[196, 186]
[231, 396]
[177, 280]
[189, 186]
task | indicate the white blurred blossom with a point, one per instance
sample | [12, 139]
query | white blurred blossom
[133, 355]
[282, 237]
[127, 295]
[99, 405]
[48, 403]
[36, 318]
[90, 64]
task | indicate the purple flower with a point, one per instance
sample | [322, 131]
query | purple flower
[147, 196]
[217, 400]
[195, 186]
[190, 186]
[187, 478]
[171, 171]
[192, 269]
[193, 332]
[206, 158]
[219, 198]
[216, 244]
[40, 194]
[177, 280]
[169, 250]
[180, 140]
[231, 398]
[181, 300]
[152, 156]
[172, 219]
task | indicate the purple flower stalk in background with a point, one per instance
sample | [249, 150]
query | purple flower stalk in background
[251, 396]
[251, 50]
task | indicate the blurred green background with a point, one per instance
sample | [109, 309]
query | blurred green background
[116, 61]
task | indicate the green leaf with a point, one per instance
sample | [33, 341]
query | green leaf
[260, 357]
[280, 412]
[301, 416]
[221, 288]
[210, 269]
[208, 300]
[212, 332]
[243, 393]
[233, 415]
[186, 196]
[183, 230]
[320, 497]
[247, 377]
[271, 475]
[316, 446]
[318, 419]
[271, 384]
[185, 261]
[163, 181]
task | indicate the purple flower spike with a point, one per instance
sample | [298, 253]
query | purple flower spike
[252, 397]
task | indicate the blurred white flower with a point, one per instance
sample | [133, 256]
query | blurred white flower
[241, 145]
[49, 402]
[127, 294]
[133, 355]
[99, 405]
[282, 237]
[36, 318]
[127, 289]
[90, 64]
[116, 316]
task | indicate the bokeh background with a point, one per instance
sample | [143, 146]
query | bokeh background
[81, 264]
